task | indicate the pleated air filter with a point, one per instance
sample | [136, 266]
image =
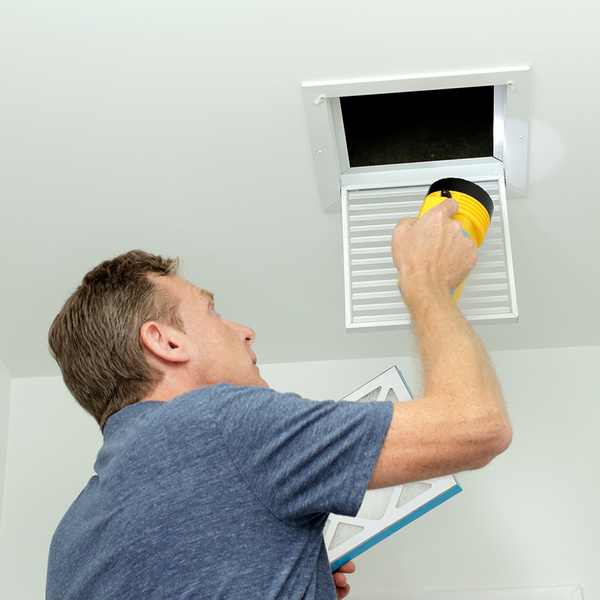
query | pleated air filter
[372, 295]
[383, 511]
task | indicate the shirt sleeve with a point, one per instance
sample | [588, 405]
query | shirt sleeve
[300, 457]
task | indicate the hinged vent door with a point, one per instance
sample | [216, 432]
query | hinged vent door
[372, 295]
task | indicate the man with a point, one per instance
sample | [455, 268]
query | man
[211, 485]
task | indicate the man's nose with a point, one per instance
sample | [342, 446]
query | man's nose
[246, 334]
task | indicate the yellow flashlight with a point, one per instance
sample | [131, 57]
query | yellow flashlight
[475, 209]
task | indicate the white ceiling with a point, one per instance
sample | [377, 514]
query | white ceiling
[179, 127]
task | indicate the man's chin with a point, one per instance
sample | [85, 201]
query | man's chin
[261, 382]
[254, 379]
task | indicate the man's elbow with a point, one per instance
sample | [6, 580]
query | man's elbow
[501, 439]
[495, 438]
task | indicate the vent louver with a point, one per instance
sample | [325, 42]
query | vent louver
[372, 295]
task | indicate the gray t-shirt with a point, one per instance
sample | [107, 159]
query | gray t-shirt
[222, 492]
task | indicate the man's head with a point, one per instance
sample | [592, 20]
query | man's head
[206, 351]
[134, 330]
[96, 336]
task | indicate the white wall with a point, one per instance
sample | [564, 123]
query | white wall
[529, 519]
[4, 412]
[52, 445]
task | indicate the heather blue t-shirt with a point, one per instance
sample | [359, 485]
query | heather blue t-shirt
[222, 492]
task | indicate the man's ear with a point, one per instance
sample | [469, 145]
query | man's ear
[164, 341]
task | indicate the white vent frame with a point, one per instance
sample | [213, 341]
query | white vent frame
[326, 129]
[370, 213]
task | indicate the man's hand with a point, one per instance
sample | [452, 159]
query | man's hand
[432, 253]
[342, 588]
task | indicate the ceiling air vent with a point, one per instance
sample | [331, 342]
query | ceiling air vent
[371, 280]
[379, 144]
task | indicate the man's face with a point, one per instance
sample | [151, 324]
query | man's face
[221, 350]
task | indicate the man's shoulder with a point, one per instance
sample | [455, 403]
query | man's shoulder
[212, 397]
[210, 405]
[221, 395]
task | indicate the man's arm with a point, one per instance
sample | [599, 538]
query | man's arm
[461, 422]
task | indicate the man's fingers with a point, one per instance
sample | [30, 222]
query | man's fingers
[449, 207]
[348, 567]
[342, 589]
[406, 223]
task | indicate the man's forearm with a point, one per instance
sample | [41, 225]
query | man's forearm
[460, 423]
[459, 375]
